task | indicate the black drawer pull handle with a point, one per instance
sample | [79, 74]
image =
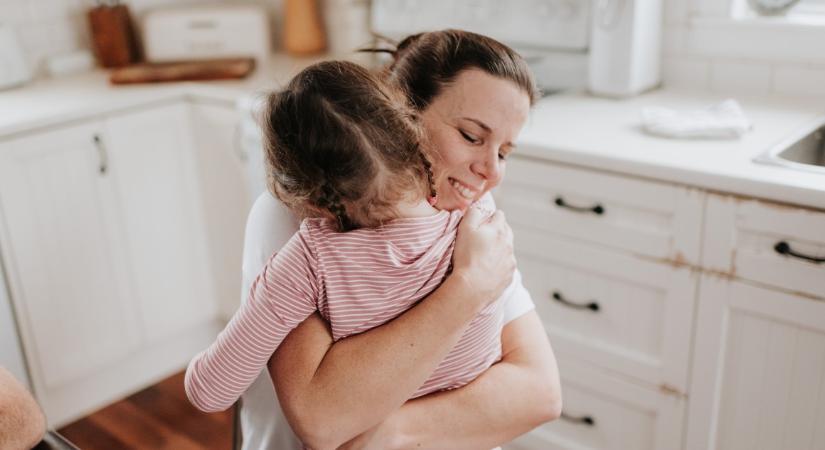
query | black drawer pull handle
[783, 248]
[595, 209]
[584, 420]
[101, 150]
[593, 306]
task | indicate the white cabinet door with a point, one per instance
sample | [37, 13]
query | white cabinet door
[759, 370]
[223, 167]
[152, 160]
[64, 258]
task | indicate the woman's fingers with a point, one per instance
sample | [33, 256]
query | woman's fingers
[472, 218]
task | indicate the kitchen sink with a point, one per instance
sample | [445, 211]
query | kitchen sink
[804, 150]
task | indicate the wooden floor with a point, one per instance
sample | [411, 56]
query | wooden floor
[159, 417]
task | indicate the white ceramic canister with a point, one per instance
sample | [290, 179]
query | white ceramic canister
[14, 70]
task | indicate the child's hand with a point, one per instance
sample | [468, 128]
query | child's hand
[483, 254]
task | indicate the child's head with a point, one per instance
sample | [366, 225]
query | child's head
[341, 144]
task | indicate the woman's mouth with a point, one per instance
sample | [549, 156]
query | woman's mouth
[463, 190]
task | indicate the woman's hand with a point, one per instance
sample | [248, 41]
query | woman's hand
[483, 256]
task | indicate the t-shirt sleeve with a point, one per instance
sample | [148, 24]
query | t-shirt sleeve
[518, 301]
[281, 297]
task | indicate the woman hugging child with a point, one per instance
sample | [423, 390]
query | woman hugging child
[345, 153]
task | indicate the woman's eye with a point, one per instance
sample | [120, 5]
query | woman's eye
[469, 138]
[502, 156]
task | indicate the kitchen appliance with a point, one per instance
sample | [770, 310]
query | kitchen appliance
[13, 68]
[611, 47]
[206, 32]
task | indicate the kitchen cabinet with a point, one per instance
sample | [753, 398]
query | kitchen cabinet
[107, 254]
[617, 268]
[610, 263]
[65, 254]
[759, 369]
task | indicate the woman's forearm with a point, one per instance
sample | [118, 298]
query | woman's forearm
[482, 414]
[360, 380]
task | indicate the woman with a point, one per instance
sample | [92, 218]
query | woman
[474, 95]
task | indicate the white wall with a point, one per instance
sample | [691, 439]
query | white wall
[53, 27]
[703, 49]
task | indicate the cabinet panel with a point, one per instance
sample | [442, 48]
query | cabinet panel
[641, 217]
[759, 371]
[741, 239]
[604, 412]
[64, 256]
[152, 160]
[226, 196]
[614, 310]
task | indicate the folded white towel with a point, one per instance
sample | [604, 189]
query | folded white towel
[723, 121]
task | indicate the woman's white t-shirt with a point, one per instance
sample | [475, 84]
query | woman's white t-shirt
[269, 226]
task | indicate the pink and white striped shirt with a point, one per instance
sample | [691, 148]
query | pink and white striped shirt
[357, 280]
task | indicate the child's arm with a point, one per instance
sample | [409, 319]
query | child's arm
[283, 295]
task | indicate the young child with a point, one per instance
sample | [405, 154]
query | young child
[344, 152]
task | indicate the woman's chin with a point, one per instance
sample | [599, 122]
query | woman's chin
[454, 203]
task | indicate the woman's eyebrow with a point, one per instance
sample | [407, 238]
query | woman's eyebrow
[479, 123]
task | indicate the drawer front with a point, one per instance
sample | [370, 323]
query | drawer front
[603, 412]
[614, 310]
[642, 217]
[765, 242]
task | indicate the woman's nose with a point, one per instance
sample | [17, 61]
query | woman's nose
[489, 168]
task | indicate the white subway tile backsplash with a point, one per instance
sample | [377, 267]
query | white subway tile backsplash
[740, 77]
[799, 80]
[686, 73]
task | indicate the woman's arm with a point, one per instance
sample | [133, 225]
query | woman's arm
[362, 378]
[482, 414]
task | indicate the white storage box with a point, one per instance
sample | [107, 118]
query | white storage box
[206, 32]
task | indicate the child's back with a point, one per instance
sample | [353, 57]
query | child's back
[396, 252]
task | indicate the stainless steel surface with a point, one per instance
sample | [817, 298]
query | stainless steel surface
[804, 150]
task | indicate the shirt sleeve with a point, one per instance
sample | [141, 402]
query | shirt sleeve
[283, 295]
[517, 300]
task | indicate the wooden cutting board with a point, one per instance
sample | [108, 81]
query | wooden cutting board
[215, 69]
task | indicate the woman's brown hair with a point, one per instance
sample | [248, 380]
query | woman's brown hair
[425, 63]
[340, 143]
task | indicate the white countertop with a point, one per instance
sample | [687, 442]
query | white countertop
[576, 129]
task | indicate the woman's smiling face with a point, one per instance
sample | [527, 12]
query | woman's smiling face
[471, 127]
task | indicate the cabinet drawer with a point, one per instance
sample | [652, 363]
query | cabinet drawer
[604, 412]
[614, 310]
[765, 242]
[642, 217]
[759, 369]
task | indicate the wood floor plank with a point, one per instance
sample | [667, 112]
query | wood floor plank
[142, 431]
[157, 418]
[86, 435]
